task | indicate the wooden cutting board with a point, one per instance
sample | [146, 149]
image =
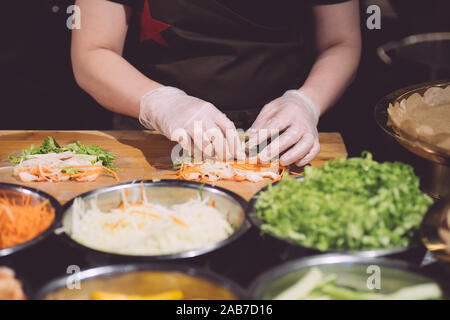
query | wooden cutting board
[140, 155]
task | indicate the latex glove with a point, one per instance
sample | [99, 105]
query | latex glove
[175, 114]
[296, 115]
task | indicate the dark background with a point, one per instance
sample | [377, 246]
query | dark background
[38, 91]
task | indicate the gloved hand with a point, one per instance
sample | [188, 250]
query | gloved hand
[175, 114]
[296, 115]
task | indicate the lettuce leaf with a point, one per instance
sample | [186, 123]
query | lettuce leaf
[93, 153]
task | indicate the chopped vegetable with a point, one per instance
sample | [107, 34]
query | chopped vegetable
[212, 171]
[51, 162]
[315, 285]
[21, 222]
[200, 191]
[303, 287]
[354, 204]
[51, 146]
[145, 228]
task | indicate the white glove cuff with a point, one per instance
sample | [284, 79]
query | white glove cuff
[298, 94]
[151, 98]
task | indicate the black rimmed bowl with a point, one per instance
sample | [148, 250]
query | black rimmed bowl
[289, 249]
[351, 271]
[142, 279]
[18, 192]
[166, 193]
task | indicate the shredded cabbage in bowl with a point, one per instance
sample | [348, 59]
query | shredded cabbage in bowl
[146, 228]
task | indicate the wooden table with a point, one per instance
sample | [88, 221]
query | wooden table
[140, 155]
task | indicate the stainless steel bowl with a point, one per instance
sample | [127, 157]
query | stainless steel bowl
[142, 279]
[422, 56]
[256, 221]
[351, 271]
[16, 192]
[436, 177]
[167, 193]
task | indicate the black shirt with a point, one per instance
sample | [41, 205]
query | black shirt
[235, 54]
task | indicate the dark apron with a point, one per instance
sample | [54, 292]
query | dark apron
[216, 54]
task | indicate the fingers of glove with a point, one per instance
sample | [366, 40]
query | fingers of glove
[299, 150]
[235, 146]
[310, 156]
[272, 128]
[182, 137]
[197, 132]
[219, 143]
[290, 137]
[267, 112]
[199, 110]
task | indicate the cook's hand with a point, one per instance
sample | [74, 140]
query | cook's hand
[175, 114]
[296, 115]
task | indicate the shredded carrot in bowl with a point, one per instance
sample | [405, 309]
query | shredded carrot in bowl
[20, 221]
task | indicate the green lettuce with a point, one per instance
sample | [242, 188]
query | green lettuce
[348, 204]
[92, 153]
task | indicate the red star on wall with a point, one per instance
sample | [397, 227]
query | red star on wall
[151, 28]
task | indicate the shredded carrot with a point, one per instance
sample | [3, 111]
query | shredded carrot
[22, 222]
[185, 171]
[178, 221]
[43, 173]
[212, 204]
[141, 224]
[142, 191]
[283, 170]
[153, 215]
[115, 225]
[108, 170]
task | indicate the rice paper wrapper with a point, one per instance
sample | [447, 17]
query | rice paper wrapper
[425, 119]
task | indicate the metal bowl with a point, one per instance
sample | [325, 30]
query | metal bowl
[434, 230]
[420, 56]
[37, 197]
[253, 217]
[419, 148]
[142, 279]
[435, 179]
[351, 271]
[167, 193]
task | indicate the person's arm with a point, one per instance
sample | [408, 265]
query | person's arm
[100, 70]
[98, 65]
[296, 113]
[338, 42]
